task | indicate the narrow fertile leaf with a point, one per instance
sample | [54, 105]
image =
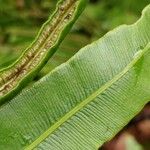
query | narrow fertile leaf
[86, 101]
[15, 77]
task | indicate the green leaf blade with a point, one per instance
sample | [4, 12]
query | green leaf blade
[62, 110]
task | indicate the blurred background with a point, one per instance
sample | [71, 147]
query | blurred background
[20, 21]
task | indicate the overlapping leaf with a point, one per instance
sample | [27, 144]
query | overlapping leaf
[86, 101]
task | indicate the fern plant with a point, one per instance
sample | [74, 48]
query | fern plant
[84, 102]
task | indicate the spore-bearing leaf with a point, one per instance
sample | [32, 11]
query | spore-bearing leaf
[15, 77]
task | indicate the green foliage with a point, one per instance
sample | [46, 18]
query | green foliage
[87, 100]
[18, 28]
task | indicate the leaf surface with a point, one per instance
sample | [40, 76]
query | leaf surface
[87, 100]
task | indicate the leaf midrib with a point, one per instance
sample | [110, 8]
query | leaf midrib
[135, 59]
